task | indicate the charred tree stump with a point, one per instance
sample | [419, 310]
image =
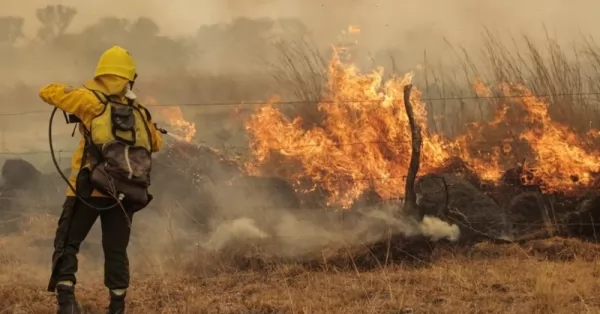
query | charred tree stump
[410, 201]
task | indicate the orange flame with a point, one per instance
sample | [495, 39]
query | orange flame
[363, 140]
[173, 116]
[353, 29]
[561, 159]
[362, 143]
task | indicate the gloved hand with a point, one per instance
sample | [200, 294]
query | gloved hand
[71, 118]
[161, 130]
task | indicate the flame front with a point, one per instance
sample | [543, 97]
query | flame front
[561, 160]
[363, 141]
[173, 116]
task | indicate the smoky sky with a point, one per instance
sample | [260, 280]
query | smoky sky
[384, 23]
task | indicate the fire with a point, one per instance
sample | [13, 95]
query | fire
[353, 29]
[560, 159]
[363, 140]
[554, 157]
[173, 116]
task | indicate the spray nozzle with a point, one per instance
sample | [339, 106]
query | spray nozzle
[161, 130]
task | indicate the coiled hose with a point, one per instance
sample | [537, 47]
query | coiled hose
[63, 176]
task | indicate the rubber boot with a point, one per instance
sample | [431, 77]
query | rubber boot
[65, 297]
[117, 302]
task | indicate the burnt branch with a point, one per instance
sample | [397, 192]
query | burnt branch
[410, 203]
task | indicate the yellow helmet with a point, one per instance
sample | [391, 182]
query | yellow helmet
[116, 61]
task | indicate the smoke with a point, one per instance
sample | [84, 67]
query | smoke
[438, 229]
[401, 29]
[385, 23]
[294, 234]
[387, 18]
[404, 29]
[239, 230]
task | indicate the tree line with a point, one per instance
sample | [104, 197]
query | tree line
[239, 42]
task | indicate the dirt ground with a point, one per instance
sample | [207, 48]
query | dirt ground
[542, 276]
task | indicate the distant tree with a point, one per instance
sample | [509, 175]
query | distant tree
[139, 36]
[108, 29]
[252, 30]
[55, 20]
[11, 29]
[144, 27]
[244, 41]
[289, 27]
[237, 39]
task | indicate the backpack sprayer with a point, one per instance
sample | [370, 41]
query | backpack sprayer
[70, 119]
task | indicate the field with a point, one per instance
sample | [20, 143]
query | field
[314, 225]
[542, 276]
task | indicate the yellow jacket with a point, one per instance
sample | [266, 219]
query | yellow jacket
[86, 106]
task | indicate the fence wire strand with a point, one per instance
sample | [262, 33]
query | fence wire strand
[232, 148]
[328, 101]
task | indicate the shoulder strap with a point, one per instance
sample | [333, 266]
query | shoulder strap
[146, 113]
[144, 109]
[90, 148]
[101, 97]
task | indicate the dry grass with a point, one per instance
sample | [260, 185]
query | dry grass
[545, 276]
[504, 283]
[543, 65]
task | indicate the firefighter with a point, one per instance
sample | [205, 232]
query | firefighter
[110, 174]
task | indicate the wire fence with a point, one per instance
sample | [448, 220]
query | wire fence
[336, 101]
[232, 147]
[66, 153]
[488, 146]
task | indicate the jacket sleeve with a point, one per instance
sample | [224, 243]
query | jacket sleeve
[157, 140]
[71, 100]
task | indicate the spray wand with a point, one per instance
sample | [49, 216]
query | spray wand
[161, 130]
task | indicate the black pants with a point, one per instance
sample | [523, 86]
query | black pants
[74, 225]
